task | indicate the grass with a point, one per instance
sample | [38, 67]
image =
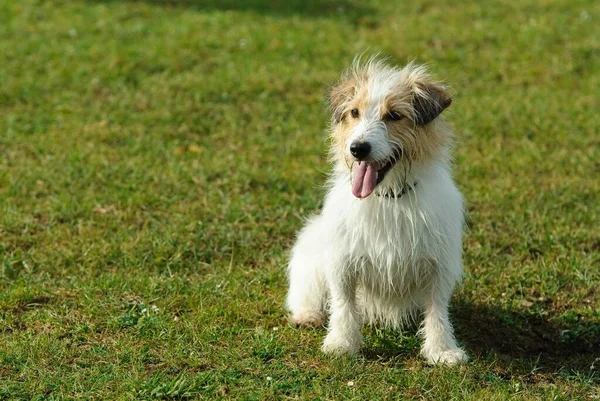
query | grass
[157, 158]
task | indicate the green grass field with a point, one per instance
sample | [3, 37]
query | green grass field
[158, 157]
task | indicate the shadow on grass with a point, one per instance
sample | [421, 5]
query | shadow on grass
[527, 342]
[311, 8]
[522, 343]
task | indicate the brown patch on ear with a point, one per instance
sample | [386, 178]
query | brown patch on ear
[428, 102]
[339, 96]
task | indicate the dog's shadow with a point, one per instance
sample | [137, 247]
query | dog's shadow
[517, 341]
[527, 341]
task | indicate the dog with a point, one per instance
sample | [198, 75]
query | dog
[387, 245]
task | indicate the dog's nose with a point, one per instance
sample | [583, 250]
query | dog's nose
[360, 150]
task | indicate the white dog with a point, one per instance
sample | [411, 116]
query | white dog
[387, 243]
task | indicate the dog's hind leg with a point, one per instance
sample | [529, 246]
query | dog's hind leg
[307, 293]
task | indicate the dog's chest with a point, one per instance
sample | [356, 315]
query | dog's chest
[392, 253]
[388, 233]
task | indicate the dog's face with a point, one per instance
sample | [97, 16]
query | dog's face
[382, 116]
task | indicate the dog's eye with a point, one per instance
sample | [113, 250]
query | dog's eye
[394, 116]
[354, 113]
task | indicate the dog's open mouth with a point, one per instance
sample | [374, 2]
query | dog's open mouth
[367, 176]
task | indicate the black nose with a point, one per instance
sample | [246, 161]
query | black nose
[360, 150]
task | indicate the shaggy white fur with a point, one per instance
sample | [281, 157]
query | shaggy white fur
[393, 254]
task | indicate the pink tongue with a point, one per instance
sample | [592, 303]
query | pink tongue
[364, 180]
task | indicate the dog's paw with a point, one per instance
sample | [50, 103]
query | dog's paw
[308, 318]
[448, 357]
[337, 343]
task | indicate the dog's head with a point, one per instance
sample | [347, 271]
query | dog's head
[383, 116]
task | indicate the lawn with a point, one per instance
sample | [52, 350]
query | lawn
[158, 157]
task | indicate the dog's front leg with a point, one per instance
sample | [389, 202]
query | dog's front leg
[439, 346]
[344, 336]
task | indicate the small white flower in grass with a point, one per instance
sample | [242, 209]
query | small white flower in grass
[154, 308]
[221, 285]
[275, 328]
[176, 319]
[350, 383]
[585, 16]
[144, 310]
[269, 378]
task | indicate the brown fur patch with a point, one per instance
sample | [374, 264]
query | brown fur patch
[421, 142]
[354, 98]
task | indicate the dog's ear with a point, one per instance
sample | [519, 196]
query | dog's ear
[339, 96]
[429, 100]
